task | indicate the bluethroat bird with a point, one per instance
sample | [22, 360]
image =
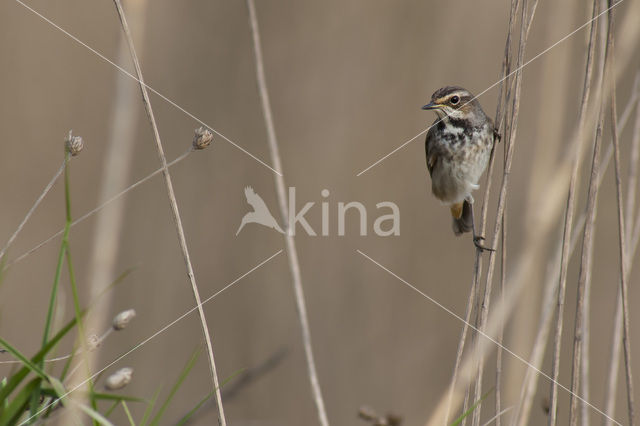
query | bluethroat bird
[458, 148]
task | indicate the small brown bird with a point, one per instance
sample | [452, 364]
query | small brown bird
[458, 147]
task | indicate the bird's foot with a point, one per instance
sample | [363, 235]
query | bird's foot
[476, 242]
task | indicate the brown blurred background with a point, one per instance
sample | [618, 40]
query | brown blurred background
[346, 80]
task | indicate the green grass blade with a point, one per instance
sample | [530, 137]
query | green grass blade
[187, 416]
[110, 410]
[470, 410]
[114, 397]
[54, 288]
[18, 405]
[183, 375]
[15, 380]
[97, 417]
[25, 361]
[126, 410]
[150, 406]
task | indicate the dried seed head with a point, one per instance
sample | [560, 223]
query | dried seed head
[119, 379]
[93, 341]
[202, 138]
[123, 318]
[73, 144]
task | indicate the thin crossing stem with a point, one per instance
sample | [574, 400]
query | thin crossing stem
[33, 208]
[174, 210]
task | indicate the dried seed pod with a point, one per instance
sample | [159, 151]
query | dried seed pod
[202, 138]
[119, 379]
[121, 320]
[73, 144]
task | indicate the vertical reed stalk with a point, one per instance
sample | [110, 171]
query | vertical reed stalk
[526, 19]
[614, 359]
[292, 253]
[504, 80]
[621, 227]
[551, 286]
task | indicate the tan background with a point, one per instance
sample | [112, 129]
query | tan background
[347, 80]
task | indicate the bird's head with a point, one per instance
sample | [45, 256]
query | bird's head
[457, 103]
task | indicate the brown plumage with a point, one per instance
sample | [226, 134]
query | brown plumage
[458, 147]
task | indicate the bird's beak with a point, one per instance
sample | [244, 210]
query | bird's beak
[432, 105]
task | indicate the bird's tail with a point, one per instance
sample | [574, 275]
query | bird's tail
[462, 217]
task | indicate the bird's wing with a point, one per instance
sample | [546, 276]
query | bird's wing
[254, 199]
[429, 146]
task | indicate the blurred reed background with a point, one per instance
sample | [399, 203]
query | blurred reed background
[346, 82]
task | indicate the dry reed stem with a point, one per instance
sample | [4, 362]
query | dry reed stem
[174, 211]
[568, 220]
[557, 184]
[526, 19]
[503, 279]
[551, 285]
[294, 264]
[621, 227]
[616, 339]
[584, 277]
[634, 157]
[33, 208]
[550, 208]
[506, 70]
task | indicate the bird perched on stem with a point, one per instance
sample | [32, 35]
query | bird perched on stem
[458, 148]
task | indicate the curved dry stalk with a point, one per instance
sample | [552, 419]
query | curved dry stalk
[294, 265]
[174, 210]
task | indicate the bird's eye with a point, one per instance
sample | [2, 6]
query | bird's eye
[455, 100]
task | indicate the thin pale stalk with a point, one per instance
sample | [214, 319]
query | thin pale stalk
[97, 209]
[621, 229]
[632, 180]
[503, 278]
[551, 285]
[616, 337]
[525, 25]
[585, 270]
[587, 246]
[568, 220]
[174, 210]
[33, 208]
[292, 253]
